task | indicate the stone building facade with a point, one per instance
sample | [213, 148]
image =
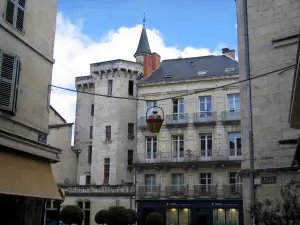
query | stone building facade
[190, 167]
[27, 29]
[273, 28]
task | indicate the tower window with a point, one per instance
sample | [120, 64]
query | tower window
[130, 88]
[109, 88]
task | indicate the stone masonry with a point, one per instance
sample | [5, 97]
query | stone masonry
[272, 43]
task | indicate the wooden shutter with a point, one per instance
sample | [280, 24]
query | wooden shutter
[9, 78]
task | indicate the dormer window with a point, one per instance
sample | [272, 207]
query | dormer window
[168, 75]
[229, 70]
[202, 72]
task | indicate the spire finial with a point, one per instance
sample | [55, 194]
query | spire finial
[144, 21]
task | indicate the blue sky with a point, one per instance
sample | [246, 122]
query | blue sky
[89, 31]
[196, 23]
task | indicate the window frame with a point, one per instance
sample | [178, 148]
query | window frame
[92, 109]
[106, 170]
[176, 153]
[108, 133]
[109, 87]
[152, 140]
[130, 157]
[14, 81]
[91, 132]
[17, 6]
[130, 87]
[206, 150]
[90, 153]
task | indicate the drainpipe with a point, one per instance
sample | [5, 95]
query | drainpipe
[249, 103]
[136, 130]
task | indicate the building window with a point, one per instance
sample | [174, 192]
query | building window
[15, 13]
[130, 130]
[178, 109]
[150, 183]
[90, 154]
[149, 105]
[88, 179]
[108, 133]
[205, 181]
[110, 86]
[86, 208]
[206, 145]
[9, 77]
[106, 170]
[177, 181]
[130, 88]
[151, 148]
[92, 109]
[233, 102]
[234, 178]
[91, 131]
[130, 157]
[51, 211]
[205, 106]
[235, 144]
[178, 147]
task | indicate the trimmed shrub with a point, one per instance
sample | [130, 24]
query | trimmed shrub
[132, 216]
[154, 218]
[118, 215]
[71, 214]
[101, 217]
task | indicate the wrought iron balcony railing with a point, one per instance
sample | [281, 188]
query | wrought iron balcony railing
[177, 191]
[204, 117]
[188, 156]
[180, 119]
[98, 188]
[233, 190]
[205, 190]
[231, 115]
[149, 191]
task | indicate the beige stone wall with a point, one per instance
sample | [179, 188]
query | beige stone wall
[60, 137]
[268, 21]
[35, 49]
[99, 203]
[116, 113]
[191, 134]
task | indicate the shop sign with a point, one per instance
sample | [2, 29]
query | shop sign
[224, 204]
[177, 204]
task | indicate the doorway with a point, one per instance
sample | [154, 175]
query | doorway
[201, 219]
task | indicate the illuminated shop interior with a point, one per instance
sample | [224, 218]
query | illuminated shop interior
[178, 216]
[226, 216]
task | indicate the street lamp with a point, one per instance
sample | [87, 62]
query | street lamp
[155, 120]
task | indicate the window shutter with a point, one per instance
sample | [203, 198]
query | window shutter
[9, 77]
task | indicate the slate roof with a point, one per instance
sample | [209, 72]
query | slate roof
[188, 68]
[143, 46]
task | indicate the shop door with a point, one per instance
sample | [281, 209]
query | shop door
[202, 219]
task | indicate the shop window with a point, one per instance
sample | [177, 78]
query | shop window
[225, 216]
[178, 216]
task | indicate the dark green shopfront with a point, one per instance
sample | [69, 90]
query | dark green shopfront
[193, 212]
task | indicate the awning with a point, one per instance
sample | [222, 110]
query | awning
[24, 176]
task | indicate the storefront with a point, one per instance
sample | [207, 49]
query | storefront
[193, 212]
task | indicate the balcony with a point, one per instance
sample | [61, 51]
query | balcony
[192, 157]
[148, 191]
[203, 190]
[142, 124]
[231, 116]
[233, 191]
[177, 191]
[177, 120]
[204, 118]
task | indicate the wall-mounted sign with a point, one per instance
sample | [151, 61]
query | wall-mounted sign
[268, 180]
[42, 138]
[177, 204]
[224, 204]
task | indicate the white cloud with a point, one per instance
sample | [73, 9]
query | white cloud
[74, 51]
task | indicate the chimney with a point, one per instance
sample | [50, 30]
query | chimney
[148, 65]
[228, 52]
[155, 61]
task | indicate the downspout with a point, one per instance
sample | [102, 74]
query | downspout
[136, 130]
[249, 102]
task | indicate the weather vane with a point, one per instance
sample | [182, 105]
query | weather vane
[144, 21]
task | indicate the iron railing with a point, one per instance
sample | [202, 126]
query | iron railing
[231, 115]
[188, 156]
[177, 191]
[177, 119]
[204, 117]
[233, 190]
[205, 190]
[148, 191]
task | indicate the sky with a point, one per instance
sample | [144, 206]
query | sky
[90, 31]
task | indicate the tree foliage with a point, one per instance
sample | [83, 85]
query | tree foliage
[71, 214]
[154, 218]
[101, 217]
[118, 215]
[132, 216]
[280, 212]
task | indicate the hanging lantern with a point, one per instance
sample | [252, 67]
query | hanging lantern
[155, 120]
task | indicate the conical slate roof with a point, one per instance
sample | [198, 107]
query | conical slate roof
[143, 46]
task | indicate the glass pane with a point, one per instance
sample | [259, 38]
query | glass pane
[184, 216]
[208, 106]
[203, 144]
[239, 143]
[202, 107]
[181, 108]
[232, 216]
[209, 144]
[172, 217]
